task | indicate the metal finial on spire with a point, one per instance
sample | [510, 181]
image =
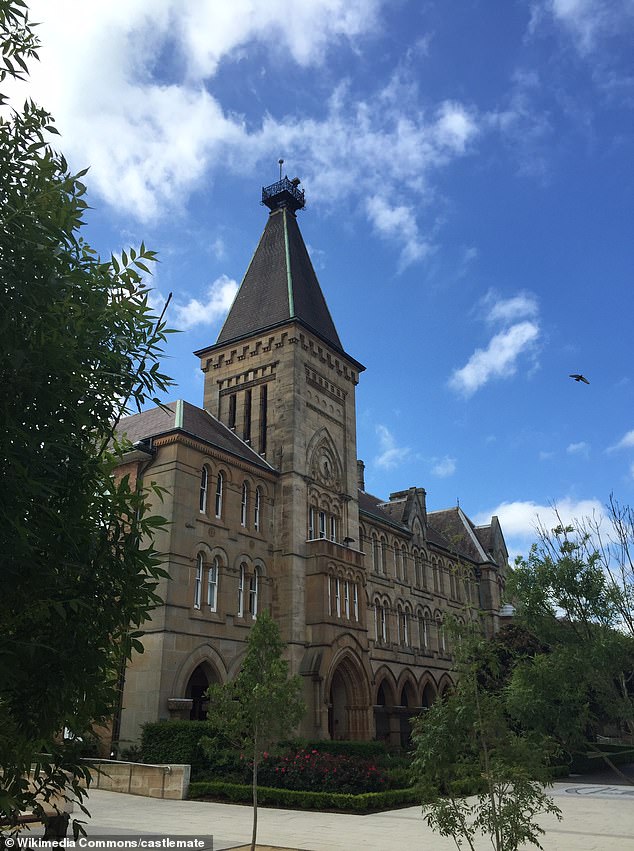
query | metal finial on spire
[281, 163]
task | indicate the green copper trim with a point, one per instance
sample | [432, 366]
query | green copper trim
[179, 414]
[289, 280]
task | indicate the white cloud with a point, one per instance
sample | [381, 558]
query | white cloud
[391, 454]
[545, 456]
[626, 442]
[149, 141]
[498, 360]
[589, 21]
[220, 295]
[581, 448]
[445, 467]
[398, 223]
[520, 520]
[504, 310]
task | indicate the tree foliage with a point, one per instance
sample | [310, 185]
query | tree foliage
[78, 347]
[564, 593]
[468, 744]
[262, 705]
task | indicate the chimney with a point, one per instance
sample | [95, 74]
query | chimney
[361, 475]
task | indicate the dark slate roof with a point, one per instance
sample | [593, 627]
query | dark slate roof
[187, 418]
[458, 532]
[280, 284]
[375, 507]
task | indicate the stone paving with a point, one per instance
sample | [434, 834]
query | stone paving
[597, 817]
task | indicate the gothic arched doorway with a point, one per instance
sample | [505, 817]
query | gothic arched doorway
[348, 702]
[409, 708]
[200, 680]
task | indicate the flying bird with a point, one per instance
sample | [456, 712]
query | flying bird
[578, 377]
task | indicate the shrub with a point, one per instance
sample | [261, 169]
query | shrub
[175, 742]
[354, 748]
[310, 770]
[367, 802]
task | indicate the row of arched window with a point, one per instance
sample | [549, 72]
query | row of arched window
[396, 560]
[343, 598]
[322, 524]
[421, 630]
[251, 503]
[206, 586]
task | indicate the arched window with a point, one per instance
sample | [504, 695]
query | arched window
[404, 563]
[198, 580]
[380, 622]
[346, 598]
[383, 555]
[333, 527]
[355, 601]
[442, 638]
[257, 509]
[254, 587]
[220, 481]
[423, 626]
[311, 523]
[212, 584]
[241, 577]
[375, 554]
[403, 626]
[337, 596]
[435, 572]
[397, 561]
[244, 510]
[204, 485]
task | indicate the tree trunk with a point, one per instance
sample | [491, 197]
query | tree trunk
[255, 794]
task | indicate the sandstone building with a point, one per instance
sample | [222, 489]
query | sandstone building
[268, 510]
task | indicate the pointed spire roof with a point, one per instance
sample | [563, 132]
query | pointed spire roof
[280, 283]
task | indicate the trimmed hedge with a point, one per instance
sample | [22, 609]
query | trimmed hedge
[337, 747]
[367, 802]
[175, 742]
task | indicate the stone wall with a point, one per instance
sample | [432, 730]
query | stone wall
[136, 778]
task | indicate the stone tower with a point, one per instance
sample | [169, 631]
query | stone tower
[279, 378]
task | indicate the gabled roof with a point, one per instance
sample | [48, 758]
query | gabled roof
[280, 284]
[459, 533]
[187, 418]
[375, 508]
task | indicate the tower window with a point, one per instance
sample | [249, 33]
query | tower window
[263, 418]
[248, 398]
[232, 411]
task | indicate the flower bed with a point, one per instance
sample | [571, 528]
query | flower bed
[312, 771]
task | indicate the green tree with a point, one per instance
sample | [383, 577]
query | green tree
[261, 705]
[582, 681]
[79, 346]
[467, 744]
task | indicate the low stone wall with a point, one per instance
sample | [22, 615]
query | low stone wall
[137, 778]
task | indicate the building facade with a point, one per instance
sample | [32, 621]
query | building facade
[268, 510]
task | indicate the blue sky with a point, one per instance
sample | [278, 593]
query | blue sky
[468, 172]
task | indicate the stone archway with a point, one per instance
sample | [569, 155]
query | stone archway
[200, 680]
[429, 695]
[348, 701]
[409, 708]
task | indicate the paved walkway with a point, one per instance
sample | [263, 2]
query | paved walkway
[596, 818]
